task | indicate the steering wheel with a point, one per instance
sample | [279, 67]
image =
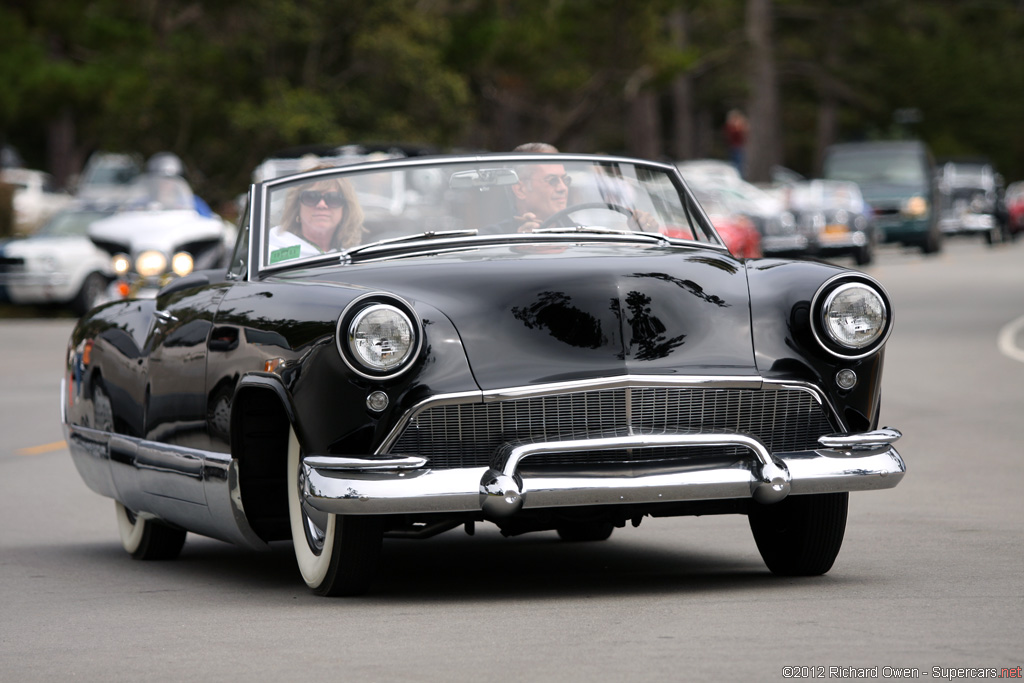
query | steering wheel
[581, 207]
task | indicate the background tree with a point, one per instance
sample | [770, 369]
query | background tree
[225, 83]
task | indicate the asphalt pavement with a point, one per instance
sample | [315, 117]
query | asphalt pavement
[928, 584]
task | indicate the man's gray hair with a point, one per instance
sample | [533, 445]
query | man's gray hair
[537, 148]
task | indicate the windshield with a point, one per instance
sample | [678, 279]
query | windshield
[344, 210]
[968, 176]
[157, 192]
[817, 195]
[877, 166]
[71, 223]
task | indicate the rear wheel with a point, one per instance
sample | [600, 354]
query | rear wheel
[800, 535]
[336, 554]
[148, 539]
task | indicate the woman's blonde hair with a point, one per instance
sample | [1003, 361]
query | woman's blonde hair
[349, 232]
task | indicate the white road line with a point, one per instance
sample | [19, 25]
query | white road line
[1007, 341]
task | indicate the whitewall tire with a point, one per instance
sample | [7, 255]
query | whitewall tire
[147, 539]
[336, 555]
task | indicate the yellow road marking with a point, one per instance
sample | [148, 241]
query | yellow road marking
[45, 448]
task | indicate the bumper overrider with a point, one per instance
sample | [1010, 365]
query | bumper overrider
[395, 483]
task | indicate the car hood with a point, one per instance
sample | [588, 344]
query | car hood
[537, 314]
[137, 231]
[59, 249]
[884, 193]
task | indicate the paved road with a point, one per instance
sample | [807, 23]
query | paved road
[929, 575]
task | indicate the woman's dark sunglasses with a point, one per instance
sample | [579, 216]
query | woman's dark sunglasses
[334, 200]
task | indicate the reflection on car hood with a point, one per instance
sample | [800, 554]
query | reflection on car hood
[533, 314]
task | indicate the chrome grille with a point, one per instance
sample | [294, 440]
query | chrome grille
[467, 435]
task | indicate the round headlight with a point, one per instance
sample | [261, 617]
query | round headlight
[151, 263]
[121, 264]
[377, 338]
[182, 263]
[854, 316]
[916, 206]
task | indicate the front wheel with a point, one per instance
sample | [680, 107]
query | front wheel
[147, 539]
[336, 554]
[800, 535]
[932, 243]
[864, 255]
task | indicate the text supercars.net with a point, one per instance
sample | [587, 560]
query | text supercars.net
[942, 673]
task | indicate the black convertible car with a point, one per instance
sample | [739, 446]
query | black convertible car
[543, 342]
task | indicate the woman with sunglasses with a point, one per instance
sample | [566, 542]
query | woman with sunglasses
[318, 217]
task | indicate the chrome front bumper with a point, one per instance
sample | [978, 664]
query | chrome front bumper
[395, 484]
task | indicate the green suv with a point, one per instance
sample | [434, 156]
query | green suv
[897, 178]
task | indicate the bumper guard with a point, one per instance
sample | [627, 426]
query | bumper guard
[397, 484]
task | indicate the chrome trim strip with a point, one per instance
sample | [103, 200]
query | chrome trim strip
[396, 462]
[624, 382]
[867, 440]
[555, 388]
[197, 490]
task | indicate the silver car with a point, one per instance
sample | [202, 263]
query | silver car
[59, 264]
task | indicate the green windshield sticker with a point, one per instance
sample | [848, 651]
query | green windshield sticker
[284, 254]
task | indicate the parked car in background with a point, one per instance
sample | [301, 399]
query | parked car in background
[970, 200]
[834, 219]
[1014, 200]
[766, 211]
[897, 178]
[59, 264]
[108, 176]
[565, 374]
[727, 214]
[36, 198]
[159, 235]
[303, 158]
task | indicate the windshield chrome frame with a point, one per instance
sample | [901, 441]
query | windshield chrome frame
[260, 194]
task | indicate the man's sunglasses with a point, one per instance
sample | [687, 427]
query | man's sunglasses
[334, 200]
[553, 180]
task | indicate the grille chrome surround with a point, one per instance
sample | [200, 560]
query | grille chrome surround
[467, 429]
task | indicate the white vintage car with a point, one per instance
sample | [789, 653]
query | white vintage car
[58, 264]
[159, 235]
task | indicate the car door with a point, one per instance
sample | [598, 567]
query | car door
[176, 400]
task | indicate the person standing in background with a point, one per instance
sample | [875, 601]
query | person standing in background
[736, 129]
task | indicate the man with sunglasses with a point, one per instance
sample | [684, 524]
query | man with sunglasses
[542, 191]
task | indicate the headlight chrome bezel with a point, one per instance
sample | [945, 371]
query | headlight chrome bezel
[357, 313]
[822, 304]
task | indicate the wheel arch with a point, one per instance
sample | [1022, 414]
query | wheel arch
[261, 416]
